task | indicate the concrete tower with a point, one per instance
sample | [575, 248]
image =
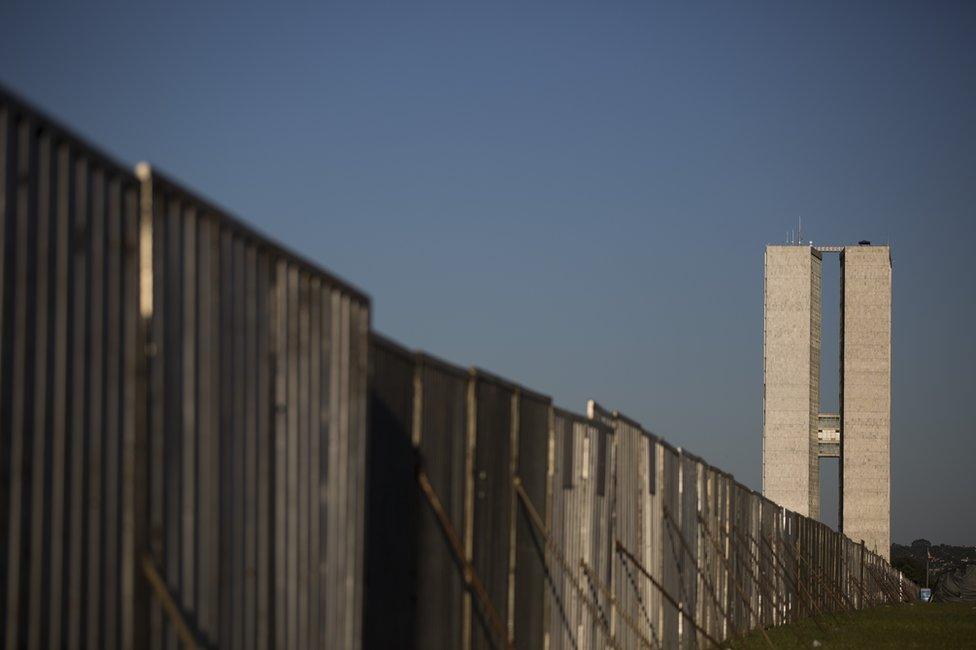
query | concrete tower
[865, 389]
[795, 434]
[791, 366]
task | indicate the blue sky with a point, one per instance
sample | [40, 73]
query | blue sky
[577, 196]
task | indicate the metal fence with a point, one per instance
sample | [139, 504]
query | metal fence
[187, 459]
[468, 434]
[627, 542]
[68, 310]
[180, 398]
[256, 436]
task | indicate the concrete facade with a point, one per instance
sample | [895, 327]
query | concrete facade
[791, 367]
[795, 434]
[866, 396]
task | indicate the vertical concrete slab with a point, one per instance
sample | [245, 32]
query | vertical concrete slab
[816, 336]
[791, 371]
[866, 396]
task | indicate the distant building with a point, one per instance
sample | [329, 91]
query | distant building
[795, 433]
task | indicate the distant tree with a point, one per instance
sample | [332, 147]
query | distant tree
[897, 551]
[920, 545]
[913, 569]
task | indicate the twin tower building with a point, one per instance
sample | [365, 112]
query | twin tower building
[796, 435]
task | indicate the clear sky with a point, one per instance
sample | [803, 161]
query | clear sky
[577, 196]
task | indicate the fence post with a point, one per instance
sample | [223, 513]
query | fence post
[861, 569]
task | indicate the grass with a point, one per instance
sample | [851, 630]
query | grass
[933, 625]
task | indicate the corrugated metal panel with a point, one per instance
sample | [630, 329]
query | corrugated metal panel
[749, 531]
[579, 611]
[602, 457]
[393, 510]
[769, 514]
[717, 526]
[440, 433]
[670, 573]
[789, 565]
[257, 432]
[528, 594]
[689, 562]
[713, 603]
[491, 532]
[596, 527]
[654, 529]
[628, 499]
[722, 532]
[744, 575]
[759, 588]
[706, 593]
[564, 528]
[68, 386]
[637, 521]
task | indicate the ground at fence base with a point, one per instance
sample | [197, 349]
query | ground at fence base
[935, 625]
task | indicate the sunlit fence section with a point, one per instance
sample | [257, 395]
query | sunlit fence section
[628, 542]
